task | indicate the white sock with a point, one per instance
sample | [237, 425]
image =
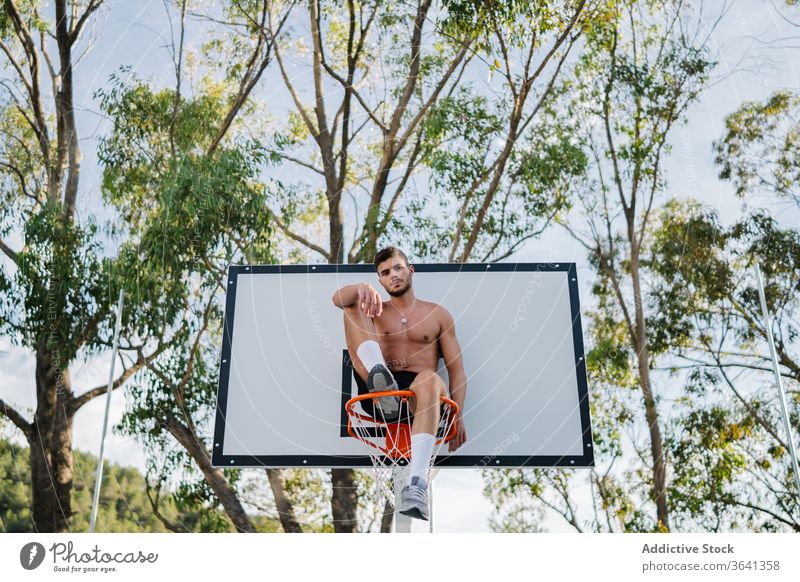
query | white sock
[421, 451]
[369, 352]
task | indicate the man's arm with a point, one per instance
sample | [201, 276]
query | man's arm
[451, 352]
[362, 294]
[346, 296]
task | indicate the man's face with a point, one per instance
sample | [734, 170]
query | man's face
[395, 276]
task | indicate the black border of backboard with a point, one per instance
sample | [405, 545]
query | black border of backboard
[500, 461]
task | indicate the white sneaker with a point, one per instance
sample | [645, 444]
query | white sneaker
[414, 499]
[380, 380]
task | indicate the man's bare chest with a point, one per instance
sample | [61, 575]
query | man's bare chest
[420, 328]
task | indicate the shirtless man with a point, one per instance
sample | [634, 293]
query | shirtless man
[395, 345]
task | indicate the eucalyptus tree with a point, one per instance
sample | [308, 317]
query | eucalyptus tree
[185, 198]
[709, 310]
[731, 467]
[760, 150]
[390, 132]
[635, 84]
[628, 91]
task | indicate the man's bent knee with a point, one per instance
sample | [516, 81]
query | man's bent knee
[428, 383]
[427, 376]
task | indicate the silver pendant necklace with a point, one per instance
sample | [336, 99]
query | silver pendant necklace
[403, 318]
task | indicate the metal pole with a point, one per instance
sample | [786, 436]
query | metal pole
[778, 379]
[434, 472]
[402, 523]
[99, 476]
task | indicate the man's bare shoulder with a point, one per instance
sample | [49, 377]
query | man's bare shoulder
[441, 314]
[431, 306]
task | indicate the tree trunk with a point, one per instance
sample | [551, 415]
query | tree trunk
[215, 478]
[387, 518]
[282, 502]
[51, 459]
[651, 414]
[343, 500]
[343, 490]
[336, 228]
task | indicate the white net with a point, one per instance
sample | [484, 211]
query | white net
[388, 441]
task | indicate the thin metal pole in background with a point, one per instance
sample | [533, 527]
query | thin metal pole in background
[778, 379]
[402, 523]
[99, 477]
[434, 472]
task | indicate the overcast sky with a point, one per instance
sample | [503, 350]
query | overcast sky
[135, 34]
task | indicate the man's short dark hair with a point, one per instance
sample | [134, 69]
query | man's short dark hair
[388, 253]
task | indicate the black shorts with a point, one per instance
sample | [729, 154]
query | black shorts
[403, 378]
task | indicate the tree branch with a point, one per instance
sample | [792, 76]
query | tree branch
[78, 26]
[141, 361]
[754, 413]
[252, 73]
[193, 352]
[384, 128]
[155, 504]
[299, 238]
[516, 128]
[793, 525]
[298, 104]
[18, 420]
[607, 123]
[297, 161]
[9, 252]
[39, 127]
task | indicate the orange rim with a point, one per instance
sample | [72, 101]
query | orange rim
[404, 396]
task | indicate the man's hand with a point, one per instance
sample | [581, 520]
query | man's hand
[369, 300]
[461, 434]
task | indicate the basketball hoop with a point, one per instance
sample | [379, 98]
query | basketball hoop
[389, 442]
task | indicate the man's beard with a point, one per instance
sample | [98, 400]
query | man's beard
[400, 291]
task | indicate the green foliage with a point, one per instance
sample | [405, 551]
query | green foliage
[180, 205]
[189, 212]
[26, 10]
[523, 497]
[761, 147]
[688, 247]
[15, 494]
[722, 460]
[456, 133]
[699, 267]
[511, 492]
[638, 72]
[525, 20]
[627, 92]
[468, 134]
[123, 504]
[185, 205]
[309, 493]
[59, 275]
[708, 312]
[60, 281]
[646, 75]
[159, 144]
[707, 462]
[22, 170]
[759, 237]
[610, 358]
[458, 146]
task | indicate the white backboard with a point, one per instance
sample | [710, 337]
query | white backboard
[285, 374]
